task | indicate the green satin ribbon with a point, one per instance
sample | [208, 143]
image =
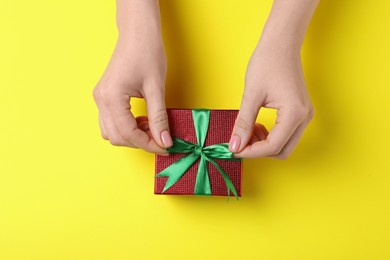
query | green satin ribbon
[197, 151]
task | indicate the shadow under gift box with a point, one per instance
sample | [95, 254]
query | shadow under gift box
[181, 125]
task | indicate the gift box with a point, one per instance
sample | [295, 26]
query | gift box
[199, 162]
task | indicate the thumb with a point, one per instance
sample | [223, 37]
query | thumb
[158, 117]
[245, 121]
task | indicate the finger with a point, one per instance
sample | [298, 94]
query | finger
[264, 130]
[257, 135]
[260, 132]
[110, 128]
[253, 139]
[243, 127]
[119, 108]
[144, 126]
[143, 123]
[286, 123]
[97, 98]
[292, 143]
[140, 119]
[102, 128]
[105, 118]
[157, 115]
[112, 132]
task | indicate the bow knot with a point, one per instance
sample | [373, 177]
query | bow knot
[198, 150]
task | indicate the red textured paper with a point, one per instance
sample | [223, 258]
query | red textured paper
[181, 125]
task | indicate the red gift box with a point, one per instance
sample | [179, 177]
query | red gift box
[181, 125]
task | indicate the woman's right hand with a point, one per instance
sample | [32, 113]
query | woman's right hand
[138, 69]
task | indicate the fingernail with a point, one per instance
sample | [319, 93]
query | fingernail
[166, 139]
[234, 143]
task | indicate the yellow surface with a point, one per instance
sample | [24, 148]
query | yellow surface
[67, 194]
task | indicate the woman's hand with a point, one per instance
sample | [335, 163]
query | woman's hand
[138, 69]
[274, 79]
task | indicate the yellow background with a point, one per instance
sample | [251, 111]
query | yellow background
[67, 194]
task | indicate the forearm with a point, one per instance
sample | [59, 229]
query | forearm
[286, 26]
[138, 17]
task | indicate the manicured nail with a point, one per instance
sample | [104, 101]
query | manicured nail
[166, 139]
[234, 143]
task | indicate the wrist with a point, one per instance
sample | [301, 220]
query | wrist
[286, 26]
[138, 17]
[280, 37]
[275, 44]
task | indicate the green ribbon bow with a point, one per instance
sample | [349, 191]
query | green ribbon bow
[195, 151]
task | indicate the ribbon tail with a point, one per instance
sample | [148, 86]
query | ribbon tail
[176, 170]
[229, 184]
[202, 185]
